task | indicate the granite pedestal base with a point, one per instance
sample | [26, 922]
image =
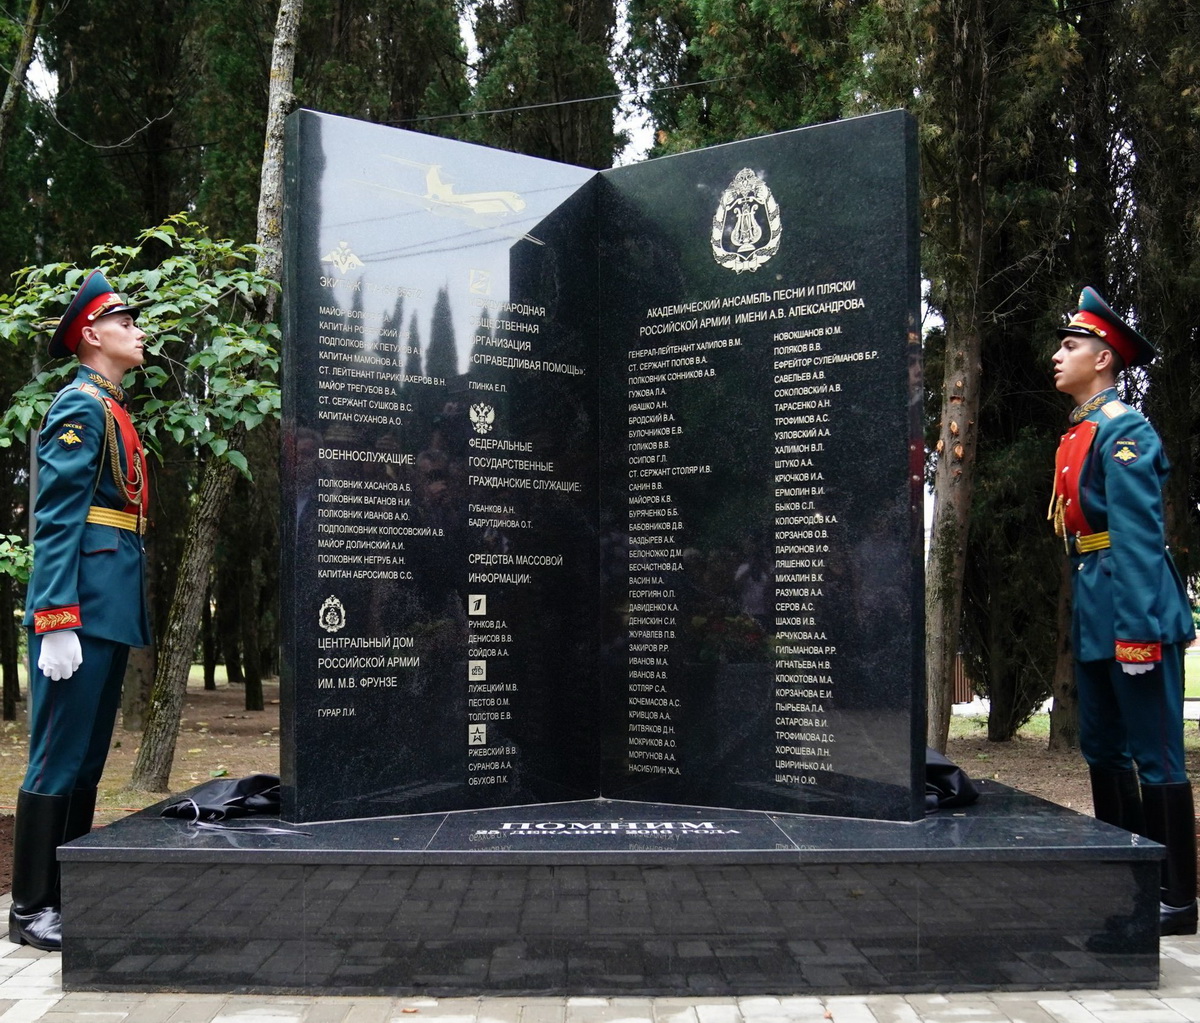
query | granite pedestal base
[612, 898]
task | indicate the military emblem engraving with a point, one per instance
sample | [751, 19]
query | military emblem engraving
[747, 228]
[342, 258]
[332, 616]
[482, 416]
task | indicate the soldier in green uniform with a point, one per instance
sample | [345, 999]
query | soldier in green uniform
[1131, 618]
[86, 604]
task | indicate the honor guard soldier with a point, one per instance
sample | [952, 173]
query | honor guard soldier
[1130, 618]
[86, 604]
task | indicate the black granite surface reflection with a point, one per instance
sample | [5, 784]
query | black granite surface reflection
[1012, 893]
[761, 469]
[601, 484]
[439, 475]
[1004, 825]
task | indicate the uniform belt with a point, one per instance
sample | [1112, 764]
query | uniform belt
[120, 519]
[1092, 542]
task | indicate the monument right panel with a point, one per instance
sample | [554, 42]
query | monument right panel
[761, 461]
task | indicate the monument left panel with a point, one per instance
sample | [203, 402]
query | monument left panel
[439, 495]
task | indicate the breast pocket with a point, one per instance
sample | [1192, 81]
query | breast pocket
[97, 538]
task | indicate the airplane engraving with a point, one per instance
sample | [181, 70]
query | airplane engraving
[478, 209]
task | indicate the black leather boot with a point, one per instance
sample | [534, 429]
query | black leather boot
[1117, 799]
[1171, 821]
[36, 914]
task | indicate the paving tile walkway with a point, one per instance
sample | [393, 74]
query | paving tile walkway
[31, 990]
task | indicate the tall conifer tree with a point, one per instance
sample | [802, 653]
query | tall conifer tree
[536, 57]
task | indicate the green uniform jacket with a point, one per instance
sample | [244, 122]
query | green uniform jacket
[86, 575]
[1128, 599]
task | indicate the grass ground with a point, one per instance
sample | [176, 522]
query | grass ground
[1026, 763]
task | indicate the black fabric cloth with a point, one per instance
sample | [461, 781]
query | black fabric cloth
[946, 784]
[223, 798]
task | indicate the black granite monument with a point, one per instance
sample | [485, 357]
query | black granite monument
[617, 899]
[440, 476]
[603, 647]
[602, 484]
[761, 474]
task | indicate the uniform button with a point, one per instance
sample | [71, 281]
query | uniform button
[1079, 568]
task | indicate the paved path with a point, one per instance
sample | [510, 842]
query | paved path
[31, 989]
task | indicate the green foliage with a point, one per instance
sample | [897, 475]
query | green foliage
[388, 61]
[1011, 590]
[211, 368]
[1058, 146]
[10, 39]
[546, 52]
[759, 65]
[1158, 265]
[225, 108]
[115, 152]
[16, 557]
[989, 85]
[163, 107]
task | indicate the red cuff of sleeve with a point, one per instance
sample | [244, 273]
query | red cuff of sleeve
[1138, 653]
[54, 619]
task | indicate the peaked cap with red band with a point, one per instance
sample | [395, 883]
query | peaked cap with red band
[1095, 319]
[95, 298]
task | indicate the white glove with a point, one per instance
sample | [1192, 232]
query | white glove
[61, 654]
[1136, 669]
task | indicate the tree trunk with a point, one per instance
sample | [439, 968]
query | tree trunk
[152, 771]
[251, 668]
[279, 103]
[16, 77]
[1064, 711]
[207, 645]
[254, 695]
[1002, 682]
[139, 672]
[951, 520]
[153, 768]
[135, 691]
[229, 613]
[1093, 224]
[966, 39]
[270, 206]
